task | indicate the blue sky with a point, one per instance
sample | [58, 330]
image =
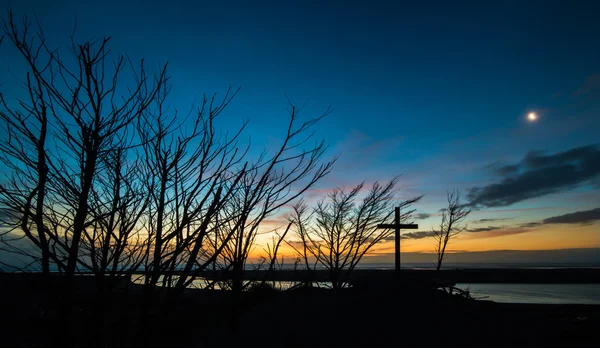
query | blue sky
[436, 91]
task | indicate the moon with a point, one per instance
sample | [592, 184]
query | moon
[532, 117]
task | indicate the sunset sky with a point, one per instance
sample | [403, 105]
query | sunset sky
[438, 92]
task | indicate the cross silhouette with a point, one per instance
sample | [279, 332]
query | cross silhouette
[397, 226]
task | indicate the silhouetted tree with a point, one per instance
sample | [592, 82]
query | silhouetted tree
[190, 174]
[69, 146]
[301, 217]
[103, 178]
[342, 230]
[267, 185]
[270, 259]
[451, 225]
[272, 183]
[115, 242]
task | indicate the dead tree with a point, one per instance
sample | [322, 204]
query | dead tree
[115, 244]
[61, 142]
[271, 258]
[104, 179]
[300, 218]
[23, 151]
[189, 177]
[451, 225]
[269, 184]
[344, 230]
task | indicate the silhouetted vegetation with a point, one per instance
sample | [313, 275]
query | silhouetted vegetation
[104, 178]
[134, 225]
[344, 230]
[451, 225]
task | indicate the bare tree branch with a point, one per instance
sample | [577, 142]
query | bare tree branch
[451, 225]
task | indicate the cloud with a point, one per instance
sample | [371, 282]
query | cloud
[531, 224]
[507, 170]
[587, 257]
[482, 221]
[416, 235]
[499, 232]
[486, 229]
[295, 243]
[421, 216]
[579, 217]
[516, 210]
[537, 175]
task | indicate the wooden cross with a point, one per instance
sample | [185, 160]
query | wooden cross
[397, 226]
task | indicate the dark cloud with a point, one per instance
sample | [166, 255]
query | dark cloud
[508, 231]
[579, 217]
[486, 229]
[531, 224]
[295, 243]
[499, 169]
[416, 235]
[422, 216]
[482, 221]
[538, 175]
[508, 170]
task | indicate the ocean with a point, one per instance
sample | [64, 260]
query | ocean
[536, 293]
[519, 293]
[507, 293]
[489, 265]
[516, 293]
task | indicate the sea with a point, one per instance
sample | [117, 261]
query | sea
[521, 293]
[506, 293]
[514, 293]
[535, 293]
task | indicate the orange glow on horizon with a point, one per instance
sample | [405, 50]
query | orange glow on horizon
[548, 237]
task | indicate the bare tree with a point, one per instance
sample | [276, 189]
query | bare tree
[271, 257]
[271, 183]
[343, 231]
[65, 145]
[451, 225]
[267, 185]
[24, 152]
[301, 217]
[102, 178]
[115, 244]
[189, 176]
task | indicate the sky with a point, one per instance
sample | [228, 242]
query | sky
[436, 91]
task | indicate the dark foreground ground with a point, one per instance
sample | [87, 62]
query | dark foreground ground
[382, 313]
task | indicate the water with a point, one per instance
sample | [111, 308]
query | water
[536, 293]
[480, 265]
[463, 265]
[508, 293]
